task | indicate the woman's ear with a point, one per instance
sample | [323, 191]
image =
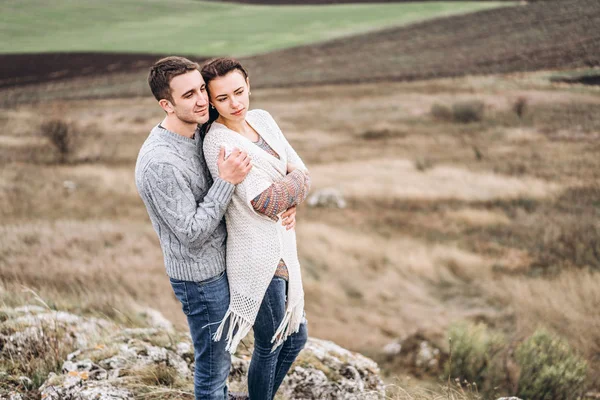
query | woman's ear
[248, 84]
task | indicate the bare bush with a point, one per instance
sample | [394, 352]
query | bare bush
[520, 106]
[468, 111]
[461, 112]
[63, 136]
[441, 112]
[423, 164]
[74, 143]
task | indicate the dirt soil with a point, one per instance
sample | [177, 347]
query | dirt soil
[542, 35]
[20, 69]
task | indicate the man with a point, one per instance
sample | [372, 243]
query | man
[186, 208]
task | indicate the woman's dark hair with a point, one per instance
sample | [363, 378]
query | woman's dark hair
[215, 69]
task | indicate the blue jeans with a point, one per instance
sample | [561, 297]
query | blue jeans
[205, 304]
[267, 369]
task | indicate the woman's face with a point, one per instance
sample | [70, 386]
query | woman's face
[229, 95]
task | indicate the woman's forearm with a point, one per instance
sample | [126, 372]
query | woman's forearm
[281, 195]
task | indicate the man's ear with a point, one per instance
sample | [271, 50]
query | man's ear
[166, 105]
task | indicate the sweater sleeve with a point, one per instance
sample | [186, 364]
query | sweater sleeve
[169, 193]
[283, 194]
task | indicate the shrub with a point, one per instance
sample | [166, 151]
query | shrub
[62, 135]
[468, 111]
[423, 164]
[475, 355]
[441, 112]
[550, 369]
[520, 106]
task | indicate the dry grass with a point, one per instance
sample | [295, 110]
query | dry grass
[381, 179]
[415, 250]
[569, 304]
[383, 287]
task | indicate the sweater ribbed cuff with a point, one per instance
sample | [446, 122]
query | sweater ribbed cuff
[207, 268]
[221, 191]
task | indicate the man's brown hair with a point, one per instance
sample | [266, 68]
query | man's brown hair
[164, 70]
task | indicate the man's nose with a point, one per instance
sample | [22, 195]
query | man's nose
[202, 99]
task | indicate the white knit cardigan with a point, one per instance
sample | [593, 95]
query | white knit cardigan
[255, 243]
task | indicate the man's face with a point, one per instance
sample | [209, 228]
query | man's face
[190, 100]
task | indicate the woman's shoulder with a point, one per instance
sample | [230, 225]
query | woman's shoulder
[261, 116]
[216, 131]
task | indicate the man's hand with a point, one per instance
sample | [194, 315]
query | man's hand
[291, 168]
[234, 168]
[289, 218]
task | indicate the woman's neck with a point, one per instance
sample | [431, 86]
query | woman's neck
[241, 127]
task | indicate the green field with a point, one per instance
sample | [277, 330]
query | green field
[196, 27]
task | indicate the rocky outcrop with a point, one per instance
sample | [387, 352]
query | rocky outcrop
[415, 353]
[328, 197]
[325, 371]
[105, 362]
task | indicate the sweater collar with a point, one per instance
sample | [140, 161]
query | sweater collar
[173, 137]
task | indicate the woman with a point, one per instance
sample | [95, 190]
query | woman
[262, 263]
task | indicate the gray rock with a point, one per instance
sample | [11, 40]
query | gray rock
[427, 356]
[327, 198]
[325, 370]
[509, 398]
[156, 319]
[89, 391]
[322, 371]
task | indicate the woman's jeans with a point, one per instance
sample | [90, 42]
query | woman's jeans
[205, 304]
[267, 369]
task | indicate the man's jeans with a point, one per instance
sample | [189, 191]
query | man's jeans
[267, 369]
[205, 304]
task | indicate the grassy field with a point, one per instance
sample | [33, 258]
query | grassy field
[196, 27]
[494, 221]
[536, 36]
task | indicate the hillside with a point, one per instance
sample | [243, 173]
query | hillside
[552, 35]
[544, 35]
[328, 2]
[199, 27]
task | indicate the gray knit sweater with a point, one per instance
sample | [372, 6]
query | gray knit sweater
[185, 206]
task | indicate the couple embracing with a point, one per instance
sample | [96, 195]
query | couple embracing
[221, 184]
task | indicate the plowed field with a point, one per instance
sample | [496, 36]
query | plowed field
[536, 36]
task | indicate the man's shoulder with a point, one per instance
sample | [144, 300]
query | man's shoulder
[156, 153]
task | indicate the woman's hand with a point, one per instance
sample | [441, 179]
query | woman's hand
[291, 168]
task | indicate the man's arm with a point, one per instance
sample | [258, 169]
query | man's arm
[167, 190]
